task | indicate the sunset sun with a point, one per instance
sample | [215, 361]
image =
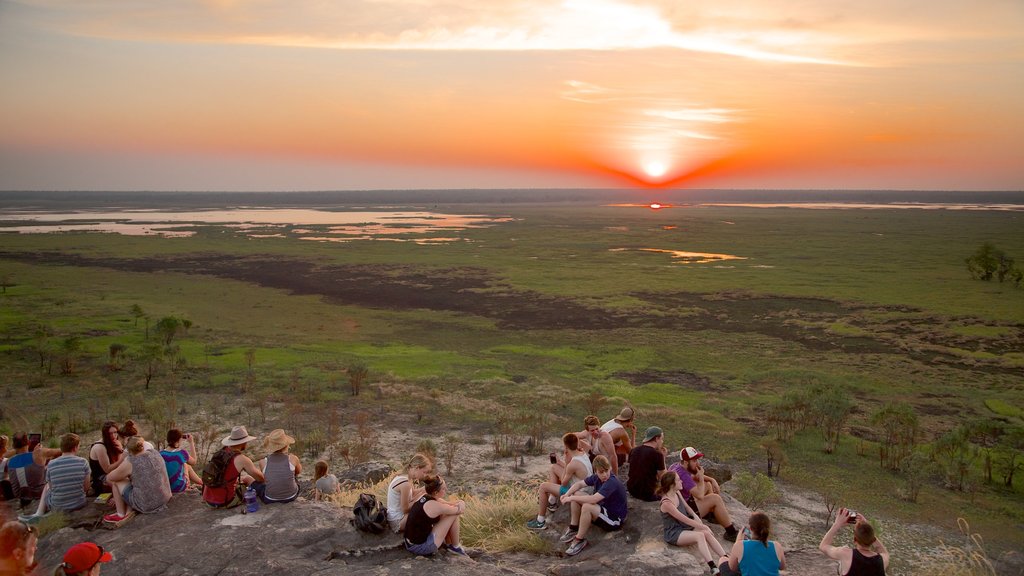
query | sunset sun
[655, 169]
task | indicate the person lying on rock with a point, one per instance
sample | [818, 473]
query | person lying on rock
[280, 470]
[868, 557]
[701, 491]
[83, 559]
[402, 492]
[646, 462]
[237, 475]
[681, 525]
[573, 467]
[596, 442]
[755, 554]
[605, 508]
[180, 462]
[434, 522]
[140, 483]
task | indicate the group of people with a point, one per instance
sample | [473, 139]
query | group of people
[138, 478]
[584, 476]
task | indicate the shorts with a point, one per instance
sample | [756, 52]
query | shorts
[126, 495]
[607, 521]
[672, 534]
[562, 490]
[424, 549]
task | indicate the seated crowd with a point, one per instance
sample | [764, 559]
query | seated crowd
[126, 469]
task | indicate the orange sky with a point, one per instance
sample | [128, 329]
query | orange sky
[276, 95]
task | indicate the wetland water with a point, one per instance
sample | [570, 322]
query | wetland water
[301, 223]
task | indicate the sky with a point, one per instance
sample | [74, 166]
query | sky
[408, 94]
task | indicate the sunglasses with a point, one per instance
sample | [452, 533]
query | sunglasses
[29, 529]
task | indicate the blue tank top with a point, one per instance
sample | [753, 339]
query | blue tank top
[758, 560]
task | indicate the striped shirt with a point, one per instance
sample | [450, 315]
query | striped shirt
[66, 476]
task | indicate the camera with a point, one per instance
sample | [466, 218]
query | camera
[34, 438]
[554, 458]
[186, 435]
[852, 518]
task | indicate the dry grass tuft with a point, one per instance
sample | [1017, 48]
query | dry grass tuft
[967, 559]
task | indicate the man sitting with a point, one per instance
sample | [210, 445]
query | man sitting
[702, 492]
[606, 507]
[645, 462]
[575, 466]
[623, 433]
[67, 480]
[239, 472]
[26, 469]
[597, 442]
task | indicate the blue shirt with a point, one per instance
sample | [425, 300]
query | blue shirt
[758, 560]
[614, 494]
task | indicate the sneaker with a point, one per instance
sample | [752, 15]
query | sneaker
[29, 519]
[115, 517]
[715, 571]
[552, 506]
[576, 547]
[537, 524]
[567, 536]
[457, 550]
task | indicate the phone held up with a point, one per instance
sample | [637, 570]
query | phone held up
[34, 438]
[852, 518]
[747, 533]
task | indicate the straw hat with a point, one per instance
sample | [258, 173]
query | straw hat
[277, 440]
[239, 435]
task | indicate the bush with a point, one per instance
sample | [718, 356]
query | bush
[497, 522]
[755, 490]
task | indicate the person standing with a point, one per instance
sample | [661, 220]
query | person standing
[867, 557]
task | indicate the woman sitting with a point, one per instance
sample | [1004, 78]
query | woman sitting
[754, 554]
[105, 456]
[433, 521]
[131, 429]
[682, 526]
[179, 462]
[402, 494]
[280, 470]
[140, 483]
[324, 484]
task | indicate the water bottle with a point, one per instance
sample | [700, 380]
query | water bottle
[252, 502]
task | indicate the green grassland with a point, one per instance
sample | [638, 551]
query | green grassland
[552, 314]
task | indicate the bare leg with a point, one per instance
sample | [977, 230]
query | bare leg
[714, 503]
[544, 490]
[590, 511]
[715, 488]
[575, 514]
[42, 501]
[695, 537]
[713, 543]
[454, 533]
[440, 531]
[119, 504]
[555, 473]
[192, 476]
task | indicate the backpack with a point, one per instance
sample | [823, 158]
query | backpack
[213, 472]
[368, 515]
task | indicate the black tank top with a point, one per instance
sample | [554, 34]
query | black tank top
[97, 472]
[861, 565]
[419, 525]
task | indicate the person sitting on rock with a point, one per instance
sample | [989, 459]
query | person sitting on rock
[433, 521]
[605, 508]
[682, 527]
[18, 543]
[623, 433]
[646, 462]
[83, 559]
[67, 480]
[702, 491]
[402, 493]
[104, 456]
[756, 555]
[130, 429]
[239, 473]
[573, 467]
[6, 493]
[140, 484]
[597, 442]
[27, 469]
[180, 462]
[868, 557]
[324, 484]
[280, 470]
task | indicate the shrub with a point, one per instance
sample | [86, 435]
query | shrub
[755, 490]
[497, 522]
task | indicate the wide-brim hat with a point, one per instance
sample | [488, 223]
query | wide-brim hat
[277, 440]
[652, 433]
[625, 415]
[690, 453]
[80, 558]
[239, 435]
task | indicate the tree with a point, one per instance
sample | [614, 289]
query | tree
[137, 312]
[1009, 457]
[954, 451]
[167, 328]
[988, 262]
[150, 356]
[899, 432]
[357, 372]
[70, 348]
[6, 282]
[117, 355]
[775, 455]
[831, 407]
[41, 344]
[985, 435]
[916, 470]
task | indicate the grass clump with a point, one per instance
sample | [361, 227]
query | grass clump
[966, 559]
[497, 522]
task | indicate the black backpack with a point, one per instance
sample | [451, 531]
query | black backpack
[213, 472]
[368, 515]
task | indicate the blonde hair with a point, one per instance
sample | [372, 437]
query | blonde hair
[419, 460]
[591, 421]
[136, 444]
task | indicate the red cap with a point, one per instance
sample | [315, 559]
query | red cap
[690, 453]
[82, 557]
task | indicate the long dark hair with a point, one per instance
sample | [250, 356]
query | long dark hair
[113, 450]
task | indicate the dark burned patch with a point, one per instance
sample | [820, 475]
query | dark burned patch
[680, 378]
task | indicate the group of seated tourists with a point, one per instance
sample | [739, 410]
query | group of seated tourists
[135, 477]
